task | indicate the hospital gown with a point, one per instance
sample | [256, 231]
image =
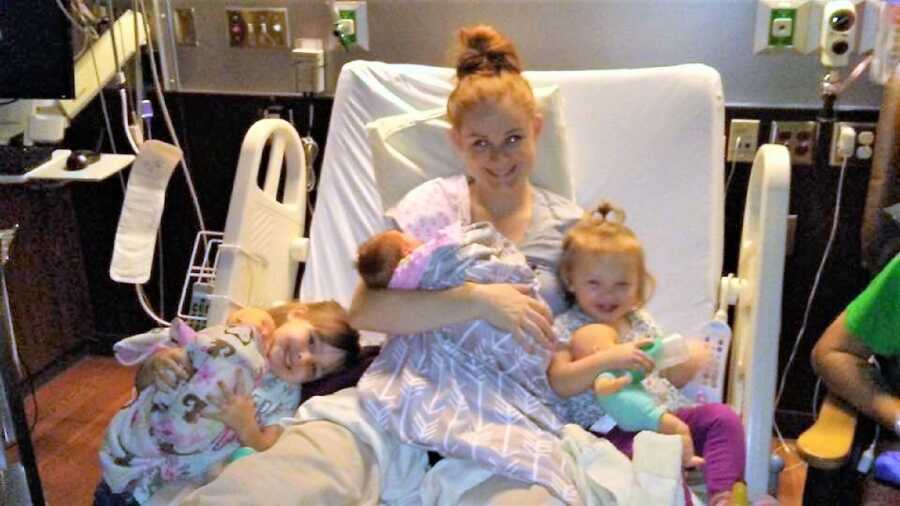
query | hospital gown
[470, 390]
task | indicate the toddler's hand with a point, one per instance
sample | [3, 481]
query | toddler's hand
[630, 356]
[700, 355]
[168, 367]
[235, 409]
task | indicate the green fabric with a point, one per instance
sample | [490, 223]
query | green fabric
[632, 407]
[874, 316]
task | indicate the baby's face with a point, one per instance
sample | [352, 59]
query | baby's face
[296, 355]
[254, 317]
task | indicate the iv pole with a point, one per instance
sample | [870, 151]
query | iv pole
[11, 380]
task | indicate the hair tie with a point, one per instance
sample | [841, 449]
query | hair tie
[497, 60]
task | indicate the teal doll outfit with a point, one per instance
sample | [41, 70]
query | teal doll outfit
[632, 407]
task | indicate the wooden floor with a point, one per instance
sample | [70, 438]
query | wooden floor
[76, 406]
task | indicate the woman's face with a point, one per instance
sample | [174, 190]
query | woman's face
[498, 144]
[296, 355]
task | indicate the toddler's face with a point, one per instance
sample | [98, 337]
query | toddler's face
[606, 286]
[296, 355]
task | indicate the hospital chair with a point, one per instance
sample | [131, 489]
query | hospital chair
[650, 140]
[833, 446]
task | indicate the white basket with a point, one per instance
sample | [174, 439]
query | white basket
[200, 279]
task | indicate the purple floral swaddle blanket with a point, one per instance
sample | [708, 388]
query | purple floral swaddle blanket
[161, 436]
[469, 390]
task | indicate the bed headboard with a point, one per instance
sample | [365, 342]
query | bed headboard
[651, 140]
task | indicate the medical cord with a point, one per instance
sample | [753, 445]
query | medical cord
[142, 298]
[168, 119]
[737, 142]
[812, 294]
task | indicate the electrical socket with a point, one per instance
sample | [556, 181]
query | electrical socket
[743, 138]
[863, 148]
[799, 137]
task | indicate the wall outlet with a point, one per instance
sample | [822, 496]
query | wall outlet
[863, 147]
[357, 12]
[743, 138]
[781, 25]
[799, 137]
[258, 28]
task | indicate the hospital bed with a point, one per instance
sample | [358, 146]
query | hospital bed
[650, 140]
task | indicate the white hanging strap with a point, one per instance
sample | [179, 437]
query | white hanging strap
[142, 209]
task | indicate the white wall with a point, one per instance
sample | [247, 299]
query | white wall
[551, 34]
[582, 34]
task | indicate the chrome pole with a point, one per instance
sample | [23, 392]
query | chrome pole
[12, 380]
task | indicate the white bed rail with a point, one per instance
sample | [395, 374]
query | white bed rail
[757, 320]
[263, 242]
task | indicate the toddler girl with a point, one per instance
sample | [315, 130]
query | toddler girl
[603, 267]
[203, 395]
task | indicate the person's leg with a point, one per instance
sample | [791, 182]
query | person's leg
[104, 496]
[622, 440]
[317, 462]
[719, 438]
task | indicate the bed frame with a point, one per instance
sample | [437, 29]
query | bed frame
[679, 110]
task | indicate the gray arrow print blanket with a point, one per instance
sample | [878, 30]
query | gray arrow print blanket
[470, 390]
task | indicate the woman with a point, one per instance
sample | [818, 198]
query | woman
[495, 128]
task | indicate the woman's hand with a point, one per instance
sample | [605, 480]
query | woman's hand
[629, 356]
[165, 369]
[510, 308]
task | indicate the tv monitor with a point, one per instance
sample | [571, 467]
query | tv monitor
[35, 50]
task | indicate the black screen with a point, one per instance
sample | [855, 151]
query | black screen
[35, 50]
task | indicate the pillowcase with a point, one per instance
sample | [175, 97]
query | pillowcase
[411, 148]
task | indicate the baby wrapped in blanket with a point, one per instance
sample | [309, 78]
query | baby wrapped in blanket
[467, 390]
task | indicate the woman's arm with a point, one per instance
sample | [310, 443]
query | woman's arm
[505, 306]
[840, 358]
[569, 377]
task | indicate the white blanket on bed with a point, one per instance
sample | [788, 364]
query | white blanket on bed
[603, 475]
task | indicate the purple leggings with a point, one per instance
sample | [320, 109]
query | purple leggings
[718, 436]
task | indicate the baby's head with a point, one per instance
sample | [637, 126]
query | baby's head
[378, 257]
[603, 266]
[303, 341]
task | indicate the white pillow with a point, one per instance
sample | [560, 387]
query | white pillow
[411, 148]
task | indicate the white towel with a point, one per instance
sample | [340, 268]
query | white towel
[142, 209]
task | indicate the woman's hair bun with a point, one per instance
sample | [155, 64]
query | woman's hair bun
[485, 51]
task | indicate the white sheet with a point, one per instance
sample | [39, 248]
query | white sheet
[651, 140]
